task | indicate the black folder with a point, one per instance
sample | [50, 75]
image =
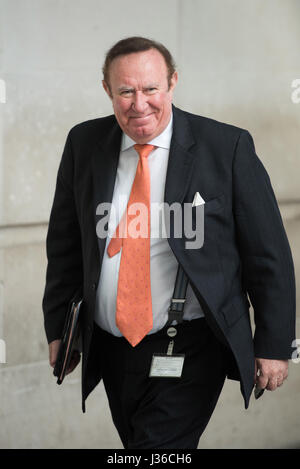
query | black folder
[70, 339]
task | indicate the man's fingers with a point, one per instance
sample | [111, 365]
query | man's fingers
[272, 384]
[272, 373]
[262, 381]
[280, 380]
[53, 351]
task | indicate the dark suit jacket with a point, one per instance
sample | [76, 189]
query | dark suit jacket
[245, 251]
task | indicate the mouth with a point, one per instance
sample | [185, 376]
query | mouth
[141, 119]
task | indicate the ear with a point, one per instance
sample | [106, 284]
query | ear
[174, 81]
[107, 88]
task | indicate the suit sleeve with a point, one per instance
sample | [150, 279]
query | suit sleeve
[267, 264]
[63, 244]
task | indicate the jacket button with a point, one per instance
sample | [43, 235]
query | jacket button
[94, 286]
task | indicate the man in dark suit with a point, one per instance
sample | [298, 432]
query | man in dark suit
[245, 253]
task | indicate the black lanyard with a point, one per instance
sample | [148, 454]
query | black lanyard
[175, 310]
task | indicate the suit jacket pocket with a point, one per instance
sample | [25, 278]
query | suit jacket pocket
[235, 309]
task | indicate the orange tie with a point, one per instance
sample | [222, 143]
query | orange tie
[134, 303]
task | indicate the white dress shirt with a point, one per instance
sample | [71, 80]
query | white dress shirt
[163, 264]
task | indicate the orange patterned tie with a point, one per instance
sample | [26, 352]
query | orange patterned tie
[134, 303]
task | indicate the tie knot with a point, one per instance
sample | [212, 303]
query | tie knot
[144, 150]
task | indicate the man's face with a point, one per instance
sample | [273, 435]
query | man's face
[140, 96]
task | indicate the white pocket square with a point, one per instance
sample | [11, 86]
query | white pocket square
[197, 200]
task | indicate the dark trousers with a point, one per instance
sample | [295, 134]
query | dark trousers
[162, 412]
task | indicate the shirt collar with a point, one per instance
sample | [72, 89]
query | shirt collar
[162, 140]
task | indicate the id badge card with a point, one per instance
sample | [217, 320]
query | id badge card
[166, 366]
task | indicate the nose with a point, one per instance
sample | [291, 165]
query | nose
[139, 102]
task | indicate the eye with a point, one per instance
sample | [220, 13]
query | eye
[126, 92]
[151, 90]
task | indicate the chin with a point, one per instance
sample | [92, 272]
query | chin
[142, 132]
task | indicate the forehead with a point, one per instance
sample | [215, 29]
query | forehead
[138, 68]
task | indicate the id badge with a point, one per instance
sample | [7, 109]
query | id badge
[166, 366]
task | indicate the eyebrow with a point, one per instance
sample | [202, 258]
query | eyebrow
[130, 88]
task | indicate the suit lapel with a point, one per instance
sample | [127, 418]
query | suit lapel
[105, 165]
[181, 160]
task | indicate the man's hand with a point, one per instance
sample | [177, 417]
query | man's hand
[53, 351]
[270, 374]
